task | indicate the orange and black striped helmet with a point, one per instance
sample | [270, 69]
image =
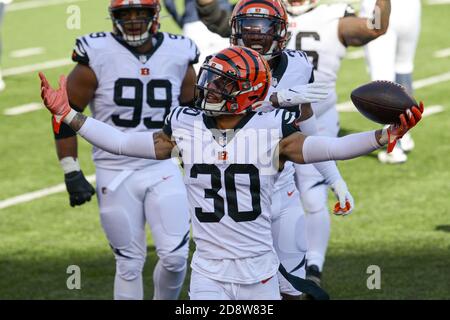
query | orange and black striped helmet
[260, 25]
[232, 80]
[147, 25]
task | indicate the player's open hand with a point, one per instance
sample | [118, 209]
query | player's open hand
[397, 131]
[55, 101]
[345, 204]
[300, 94]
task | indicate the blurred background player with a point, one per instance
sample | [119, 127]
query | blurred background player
[3, 4]
[262, 26]
[324, 32]
[207, 42]
[131, 78]
[391, 57]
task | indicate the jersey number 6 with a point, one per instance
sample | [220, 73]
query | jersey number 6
[137, 101]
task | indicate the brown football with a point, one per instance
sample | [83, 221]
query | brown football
[382, 101]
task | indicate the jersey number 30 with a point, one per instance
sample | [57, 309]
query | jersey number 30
[230, 190]
[137, 101]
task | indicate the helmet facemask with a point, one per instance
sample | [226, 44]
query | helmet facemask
[262, 33]
[135, 29]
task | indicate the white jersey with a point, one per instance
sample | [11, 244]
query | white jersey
[135, 92]
[316, 33]
[229, 178]
[293, 69]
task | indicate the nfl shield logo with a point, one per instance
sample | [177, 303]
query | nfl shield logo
[145, 71]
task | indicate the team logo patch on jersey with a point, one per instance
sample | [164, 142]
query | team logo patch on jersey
[222, 155]
[145, 71]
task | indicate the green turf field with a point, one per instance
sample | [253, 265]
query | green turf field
[402, 217]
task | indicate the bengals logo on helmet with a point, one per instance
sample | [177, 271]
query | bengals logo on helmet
[245, 78]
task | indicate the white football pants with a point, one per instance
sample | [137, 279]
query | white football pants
[128, 200]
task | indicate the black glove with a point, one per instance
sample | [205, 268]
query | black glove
[79, 189]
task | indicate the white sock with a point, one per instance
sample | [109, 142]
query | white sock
[128, 290]
[318, 232]
[167, 284]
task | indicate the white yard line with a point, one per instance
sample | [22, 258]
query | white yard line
[27, 197]
[444, 53]
[434, 2]
[14, 111]
[26, 52]
[37, 4]
[419, 84]
[36, 67]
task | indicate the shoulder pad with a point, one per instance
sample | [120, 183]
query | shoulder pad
[86, 45]
[183, 45]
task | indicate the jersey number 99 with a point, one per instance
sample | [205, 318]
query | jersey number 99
[137, 102]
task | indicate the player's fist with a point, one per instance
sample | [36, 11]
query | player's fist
[55, 101]
[397, 131]
[345, 204]
[308, 93]
[79, 189]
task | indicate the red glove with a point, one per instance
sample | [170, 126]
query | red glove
[397, 131]
[56, 101]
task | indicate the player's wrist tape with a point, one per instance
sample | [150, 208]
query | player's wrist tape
[132, 144]
[69, 164]
[384, 139]
[318, 149]
[69, 117]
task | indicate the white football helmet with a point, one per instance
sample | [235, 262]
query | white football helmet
[298, 7]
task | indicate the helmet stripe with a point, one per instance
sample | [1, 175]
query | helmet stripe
[247, 66]
[223, 57]
[255, 62]
[261, 2]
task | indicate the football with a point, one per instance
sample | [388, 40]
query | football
[382, 101]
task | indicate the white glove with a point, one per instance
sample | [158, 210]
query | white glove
[263, 106]
[346, 203]
[308, 93]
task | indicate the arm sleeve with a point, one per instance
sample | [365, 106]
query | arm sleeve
[327, 169]
[318, 149]
[215, 18]
[103, 136]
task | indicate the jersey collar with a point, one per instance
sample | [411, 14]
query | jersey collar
[280, 69]
[223, 137]
[159, 37]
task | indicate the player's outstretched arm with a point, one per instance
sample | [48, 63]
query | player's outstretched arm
[301, 149]
[356, 31]
[137, 144]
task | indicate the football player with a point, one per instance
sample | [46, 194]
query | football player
[262, 26]
[323, 32]
[231, 156]
[130, 78]
[391, 57]
[208, 42]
